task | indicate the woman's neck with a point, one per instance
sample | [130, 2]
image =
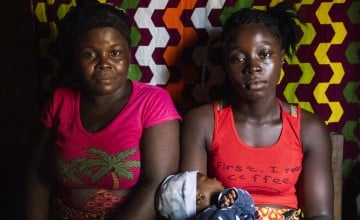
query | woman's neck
[258, 112]
[120, 94]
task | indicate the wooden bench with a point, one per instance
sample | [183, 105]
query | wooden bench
[337, 142]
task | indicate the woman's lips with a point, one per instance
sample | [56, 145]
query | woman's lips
[255, 84]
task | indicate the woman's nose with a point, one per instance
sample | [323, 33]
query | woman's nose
[252, 66]
[103, 62]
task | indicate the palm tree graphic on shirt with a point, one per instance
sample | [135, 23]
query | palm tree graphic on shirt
[100, 165]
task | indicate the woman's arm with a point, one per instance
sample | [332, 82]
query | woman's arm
[196, 137]
[316, 184]
[159, 158]
[37, 197]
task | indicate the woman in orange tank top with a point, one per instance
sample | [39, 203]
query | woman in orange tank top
[279, 153]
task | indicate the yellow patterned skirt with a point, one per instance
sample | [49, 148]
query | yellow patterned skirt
[270, 213]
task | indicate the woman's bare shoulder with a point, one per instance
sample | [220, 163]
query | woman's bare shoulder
[201, 112]
[314, 131]
[313, 127]
[199, 119]
[310, 120]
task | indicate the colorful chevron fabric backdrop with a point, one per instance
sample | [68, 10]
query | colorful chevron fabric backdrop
[170, 42]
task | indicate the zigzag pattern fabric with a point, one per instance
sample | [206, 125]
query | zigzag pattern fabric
[170, 42]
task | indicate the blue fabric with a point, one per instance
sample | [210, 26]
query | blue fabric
[242, 209]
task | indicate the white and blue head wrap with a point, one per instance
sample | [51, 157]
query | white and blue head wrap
[176, 197]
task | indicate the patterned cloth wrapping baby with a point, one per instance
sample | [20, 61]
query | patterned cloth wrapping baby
[242, 209]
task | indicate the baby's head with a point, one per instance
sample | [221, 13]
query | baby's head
[207, 191]
[182, 195]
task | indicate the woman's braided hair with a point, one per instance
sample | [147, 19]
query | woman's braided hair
[280, 19]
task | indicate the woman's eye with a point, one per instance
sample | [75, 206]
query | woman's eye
[89, 54]
[264, 55]
[115, 53]
[237, 59]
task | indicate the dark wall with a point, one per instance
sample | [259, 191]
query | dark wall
[18, 98]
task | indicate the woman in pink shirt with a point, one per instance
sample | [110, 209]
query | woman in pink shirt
[106, 141]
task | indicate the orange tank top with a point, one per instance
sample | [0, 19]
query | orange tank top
[270, 173]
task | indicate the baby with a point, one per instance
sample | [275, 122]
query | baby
[192, 195]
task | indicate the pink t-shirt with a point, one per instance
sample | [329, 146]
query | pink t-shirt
[110, 158]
